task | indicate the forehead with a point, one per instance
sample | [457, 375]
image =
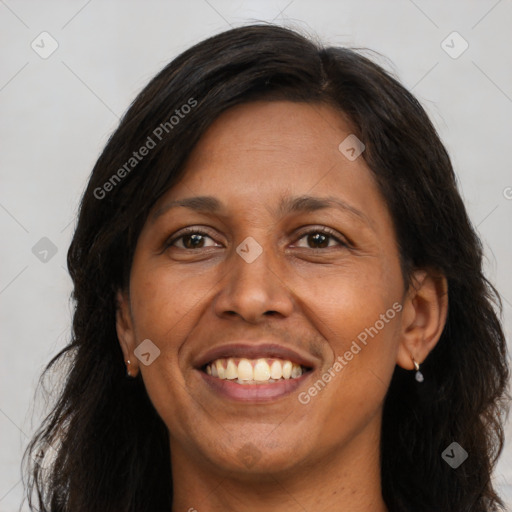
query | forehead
[256, 154]
[261, 141]
[273, 133]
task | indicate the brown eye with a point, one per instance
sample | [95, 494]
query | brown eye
[319, 238]
[190, 240]
[193, 241]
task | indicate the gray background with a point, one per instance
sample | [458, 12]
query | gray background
[57, 113]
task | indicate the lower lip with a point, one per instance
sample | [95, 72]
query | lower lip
[254, 392]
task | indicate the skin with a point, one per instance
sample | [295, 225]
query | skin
[315, 295]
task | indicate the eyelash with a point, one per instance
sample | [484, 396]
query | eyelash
[194, 231]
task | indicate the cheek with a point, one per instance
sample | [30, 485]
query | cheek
[343, 300]
[350, 391]
[163, 300]
[161, 305]
[358, 313]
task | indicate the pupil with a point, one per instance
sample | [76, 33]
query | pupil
[195, 238]
[315, 238]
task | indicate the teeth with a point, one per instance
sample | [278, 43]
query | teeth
[231, 370]
[253, 371]
[287, 369]
[276, 370]
[261, 370]
[240, 381]
[245, 371]
[296, 371]
[220, 369]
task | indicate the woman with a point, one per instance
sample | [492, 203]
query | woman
[279, 300]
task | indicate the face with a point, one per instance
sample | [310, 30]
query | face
[262, 282]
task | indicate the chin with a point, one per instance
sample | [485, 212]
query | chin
[257, 456]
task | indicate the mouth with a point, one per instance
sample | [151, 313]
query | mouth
[254, 373]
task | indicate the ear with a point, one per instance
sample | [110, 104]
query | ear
[125, 330]
[423, 318]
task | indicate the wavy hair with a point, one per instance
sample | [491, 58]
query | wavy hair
[110, 447]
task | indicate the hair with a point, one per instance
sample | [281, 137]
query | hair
[111, 446]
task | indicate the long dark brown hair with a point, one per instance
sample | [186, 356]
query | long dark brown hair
[111, 448]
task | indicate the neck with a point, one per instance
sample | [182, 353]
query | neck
[348, 479]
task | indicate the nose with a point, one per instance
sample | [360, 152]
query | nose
[254, 289]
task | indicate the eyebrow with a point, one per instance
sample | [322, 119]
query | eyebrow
[297, 204]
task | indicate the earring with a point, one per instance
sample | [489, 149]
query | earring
[128, 368]
[419, 376]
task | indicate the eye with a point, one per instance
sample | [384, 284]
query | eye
[320, 237]
[191, 239]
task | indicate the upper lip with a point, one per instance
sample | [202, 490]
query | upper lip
[254, 351]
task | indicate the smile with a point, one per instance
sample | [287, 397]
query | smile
[254, 371]
[254, 380]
